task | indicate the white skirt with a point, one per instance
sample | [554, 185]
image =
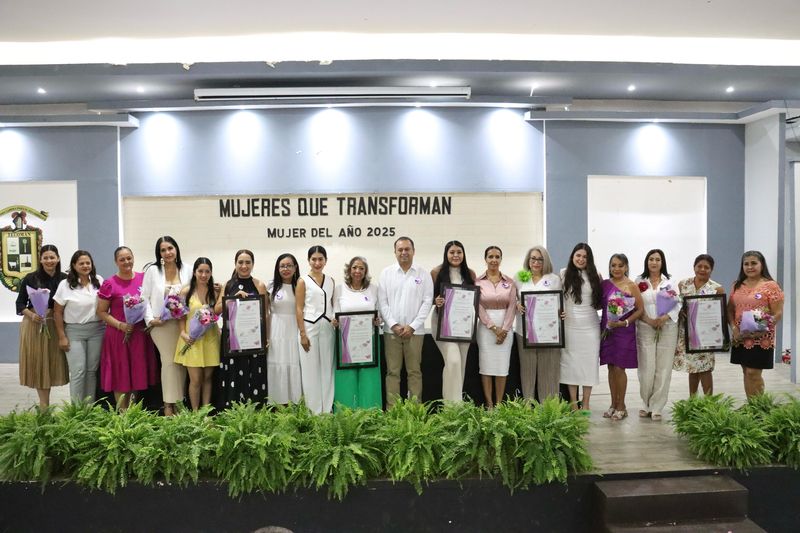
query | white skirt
[494, 358]
[283, 360]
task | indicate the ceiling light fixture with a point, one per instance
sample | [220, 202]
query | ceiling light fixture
[140, 89]
[730, 89]
[41, 90]
[631, 88]
[533, 88]
[332, 93]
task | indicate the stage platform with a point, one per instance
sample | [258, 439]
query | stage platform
[633, 448]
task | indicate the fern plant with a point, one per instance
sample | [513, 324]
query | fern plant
[25, 450]
[760, 405]
[783, 423]
[409, 434]
[342, 450]
[71, 431]
[462, 441]
[252, 449]
[108, 460]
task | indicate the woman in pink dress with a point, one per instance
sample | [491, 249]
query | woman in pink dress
[126, 366]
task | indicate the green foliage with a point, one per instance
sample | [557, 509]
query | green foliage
[24, 450]
[253, 449]
[409, 437]
[108, 458]
[343, 449]
[721, 435]
[71, 432]
[176, 449]
[760, 405]
[463, 449]
[784, 424]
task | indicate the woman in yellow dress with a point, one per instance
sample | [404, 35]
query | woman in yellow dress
[202, 356]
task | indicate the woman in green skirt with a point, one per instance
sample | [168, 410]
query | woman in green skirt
[357, 387]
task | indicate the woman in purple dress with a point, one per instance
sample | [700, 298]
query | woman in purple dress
[618, 344]
[126, 366]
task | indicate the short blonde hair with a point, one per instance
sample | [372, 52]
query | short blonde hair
[348, 280]
[547, 264]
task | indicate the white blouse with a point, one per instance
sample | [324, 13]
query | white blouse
[154, 289]
[80, 303]
[549, 282]
[346, 299]
[649, 297]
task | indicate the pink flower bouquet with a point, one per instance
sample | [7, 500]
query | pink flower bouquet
[174, 308]
[40, 300]
[133, 305]
[755, 321]
[619, 305]
[200, 322]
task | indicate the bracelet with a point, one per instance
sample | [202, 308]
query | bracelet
[626, 322]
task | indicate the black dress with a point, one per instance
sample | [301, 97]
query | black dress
[243, 377]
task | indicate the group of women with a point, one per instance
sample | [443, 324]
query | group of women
[86, 332]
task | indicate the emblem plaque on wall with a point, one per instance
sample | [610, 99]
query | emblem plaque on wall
[19, 245]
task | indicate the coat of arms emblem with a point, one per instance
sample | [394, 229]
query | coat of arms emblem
[19, 245]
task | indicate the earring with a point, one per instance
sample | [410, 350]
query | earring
[162, 261]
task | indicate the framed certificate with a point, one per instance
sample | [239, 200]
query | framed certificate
[357, 340]
[458, 317]
[706, 325]
[542, 326]
[245, 325]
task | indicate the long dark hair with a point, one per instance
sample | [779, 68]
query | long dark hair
[157, 262]
[41, 275]
[277, 281]
[73, 278]
[317, 249]
[212, 295]
[646, 271]
[234, 277]
[573, 280]
[764, 270]
[444, 271]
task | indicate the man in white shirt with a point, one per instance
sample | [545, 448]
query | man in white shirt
[405, 295]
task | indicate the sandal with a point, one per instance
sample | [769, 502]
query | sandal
[643, 413]
[619, 415]
[609, 412]
[656, 417]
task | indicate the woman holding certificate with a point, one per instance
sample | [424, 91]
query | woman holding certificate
[699, 365]
[579, 357]
[242, 377]
[622, 306]
[165, 277]
[755, 307]
[314, 312]
[497, 308]
[357, 387]
[283, 359]
[452, 271]
[539, 368]
[656, 333]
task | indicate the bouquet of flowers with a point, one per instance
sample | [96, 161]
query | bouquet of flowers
[174, 308]
[755, 321]
[200, 322]
[666, 300]
[133, 305]
[619, 305]
[40, 299]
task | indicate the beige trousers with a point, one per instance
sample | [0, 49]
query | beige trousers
[399, 351]
[540, 367]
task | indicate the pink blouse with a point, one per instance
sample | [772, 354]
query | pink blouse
[500, 296]
[760, 297]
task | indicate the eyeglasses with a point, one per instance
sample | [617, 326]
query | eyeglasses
[285, 267]
[536, 260]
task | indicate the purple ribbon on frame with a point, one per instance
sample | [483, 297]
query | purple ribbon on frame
[449, 294]
[694, 340]
[233, 341]
[344, 323]
[529, 308]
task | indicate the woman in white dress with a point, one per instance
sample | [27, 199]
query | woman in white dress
[497, 308]
[167, 275]
[539, 368]
[314, 312]
[452, 271]
[283, 358]
[580, 357]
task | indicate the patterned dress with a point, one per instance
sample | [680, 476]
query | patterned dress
[692, 363]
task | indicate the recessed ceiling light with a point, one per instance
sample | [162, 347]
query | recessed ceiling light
[433, 84]
[417, 104]
[41, 90]
[631, 88]
[534, 87]
[730, 89]
[566, 108]
[140, 89]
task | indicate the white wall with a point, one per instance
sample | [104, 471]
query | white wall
[763, 163]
